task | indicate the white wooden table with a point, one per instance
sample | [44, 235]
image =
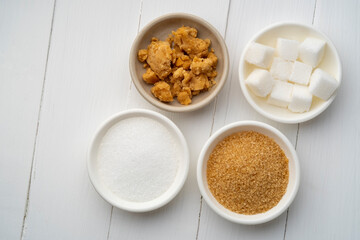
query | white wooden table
[64, 69]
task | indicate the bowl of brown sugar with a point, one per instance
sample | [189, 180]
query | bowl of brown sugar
[179, 62]
[248, 172]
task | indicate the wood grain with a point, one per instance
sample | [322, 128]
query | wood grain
[65, 88]
[24, 40]
[87, 81]
[245, 19]
[178, 219]
[327, 206]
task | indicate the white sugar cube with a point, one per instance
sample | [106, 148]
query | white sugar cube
[311, 51]
[301, 99]
[281, 93]
[259, 55]
[281, 69]
[260, 82]
[287, 49]
[322, 84]
[301, 73]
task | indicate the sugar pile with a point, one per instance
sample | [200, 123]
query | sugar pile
[291, 82]
[138, 159]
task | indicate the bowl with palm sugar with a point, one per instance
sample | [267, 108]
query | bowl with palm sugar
[179, 62]
[248, 172]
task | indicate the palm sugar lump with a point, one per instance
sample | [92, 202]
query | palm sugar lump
[180, 67]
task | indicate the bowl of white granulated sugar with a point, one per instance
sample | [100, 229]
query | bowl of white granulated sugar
[138, 160]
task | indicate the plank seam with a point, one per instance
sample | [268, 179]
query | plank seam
[32, 169]
[131, 83]
[313, 19]
[227, 19]
[230, 74]
[198, 226]
[287, 211]
[213, 117]
[286, 220]
[126, 106]
[212, 123]
[297, 134]
[111, 213]
[216, 99]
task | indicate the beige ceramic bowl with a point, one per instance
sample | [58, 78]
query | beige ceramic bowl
[160, 28]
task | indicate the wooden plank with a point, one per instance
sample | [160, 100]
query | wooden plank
[87, 81]
[327, 206]
[245, 19]
[179, 219]
[24, 38]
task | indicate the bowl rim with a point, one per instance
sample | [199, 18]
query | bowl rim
[301, 118]
[185, 161]
[186, 108]
[202, 161]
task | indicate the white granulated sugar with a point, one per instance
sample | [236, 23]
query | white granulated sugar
[138, 159]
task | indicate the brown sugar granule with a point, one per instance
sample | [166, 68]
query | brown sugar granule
[248, 173]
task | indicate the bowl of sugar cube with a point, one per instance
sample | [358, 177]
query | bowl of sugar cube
[290, 72]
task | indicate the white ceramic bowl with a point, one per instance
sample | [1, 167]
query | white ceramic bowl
[268, 36]
[108, 195]
[294, 172]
